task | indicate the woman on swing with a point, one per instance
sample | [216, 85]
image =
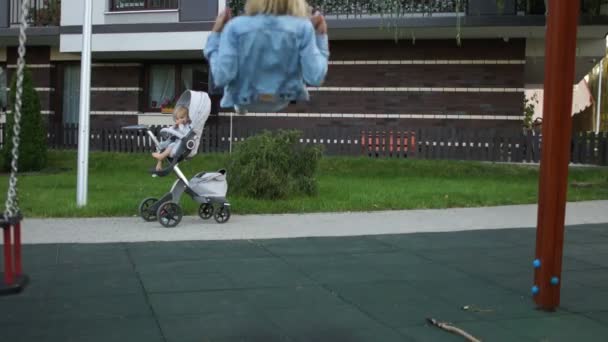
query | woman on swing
[265, 59]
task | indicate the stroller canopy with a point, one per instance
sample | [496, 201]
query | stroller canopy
[199, 107]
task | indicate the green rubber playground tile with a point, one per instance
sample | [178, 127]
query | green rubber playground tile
[600, 317]
[597, 278]
[593, 260]
[475, 262]
[422, 241]
[331, 269]
[597, 227]
[28, 332]
[520, 284]
[107, 307]
[353, 335]
[77, 308]
[557, 328]
[262, 272]
[512, 237]
[206, 302]
[38, 257]
[220, 327]
[178, 267]
[399, 266]
[586, 234]
[144, 329]
[303, 296]
[581, 299]
[154, 252]
[325, 246]
[484, 331]
[38, 286]
[590, 247]
[432, 271]
[465, 286]
[495, 306]
[184, 282]
[16, 310]
[491, 331]
[398, 304]
[92, 254]
[304, 321]
[256, 338]
[391, 260]
[476, 254]
[93, 280]
[427, 333]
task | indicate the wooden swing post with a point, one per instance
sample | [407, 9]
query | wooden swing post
[560, 53]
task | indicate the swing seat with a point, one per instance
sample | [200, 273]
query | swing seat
[12, 281]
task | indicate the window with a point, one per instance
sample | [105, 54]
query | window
[162, 85]
[166, 82]
[194, 77]
[141, 5]
[3, 85]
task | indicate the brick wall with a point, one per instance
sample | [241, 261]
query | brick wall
[42, 71]
[480, 82]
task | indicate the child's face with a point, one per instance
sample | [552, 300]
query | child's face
[181, 119]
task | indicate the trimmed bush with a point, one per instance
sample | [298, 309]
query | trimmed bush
[32, 147]
[274, 166]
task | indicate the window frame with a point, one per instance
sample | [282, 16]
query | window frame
[4, 93]
[179, 89]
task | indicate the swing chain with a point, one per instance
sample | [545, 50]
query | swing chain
[12, 202]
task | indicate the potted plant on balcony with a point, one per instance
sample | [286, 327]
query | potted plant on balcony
[168, 106]
[47, 13]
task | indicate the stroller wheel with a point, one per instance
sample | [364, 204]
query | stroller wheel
[222, 214]
[144, 209]
[169, 214]
[205, 211]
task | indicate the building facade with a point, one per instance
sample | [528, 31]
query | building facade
[453, 63]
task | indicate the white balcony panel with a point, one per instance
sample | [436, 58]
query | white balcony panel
[153, 41]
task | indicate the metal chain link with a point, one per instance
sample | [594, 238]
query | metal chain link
[12, 202]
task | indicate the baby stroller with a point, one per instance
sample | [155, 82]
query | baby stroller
[207, 188]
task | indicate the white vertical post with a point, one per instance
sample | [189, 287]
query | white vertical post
[83, 121]
[599, 98]
[221, 6]
[230, 146]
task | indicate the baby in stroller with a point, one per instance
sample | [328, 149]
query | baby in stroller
[168, 146]
[180, 143]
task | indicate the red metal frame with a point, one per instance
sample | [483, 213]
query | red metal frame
[9, 276]
[559, 78]
[12, 281]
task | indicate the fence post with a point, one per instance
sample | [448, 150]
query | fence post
[603, 148]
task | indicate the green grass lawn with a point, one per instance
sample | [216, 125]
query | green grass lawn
[118, 182]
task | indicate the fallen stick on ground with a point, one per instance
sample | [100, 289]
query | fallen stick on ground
[452, 329]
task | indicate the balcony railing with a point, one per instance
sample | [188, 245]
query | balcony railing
[404, 8]
[367, 8]
[142, 5]
[41, 12]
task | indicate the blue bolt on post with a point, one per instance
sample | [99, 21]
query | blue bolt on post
[554, 280]
[536, 263]
[535, 290]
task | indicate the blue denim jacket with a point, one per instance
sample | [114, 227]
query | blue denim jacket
[267, 60]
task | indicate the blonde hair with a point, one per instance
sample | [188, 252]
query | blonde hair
[297, 8]
[182, 112]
